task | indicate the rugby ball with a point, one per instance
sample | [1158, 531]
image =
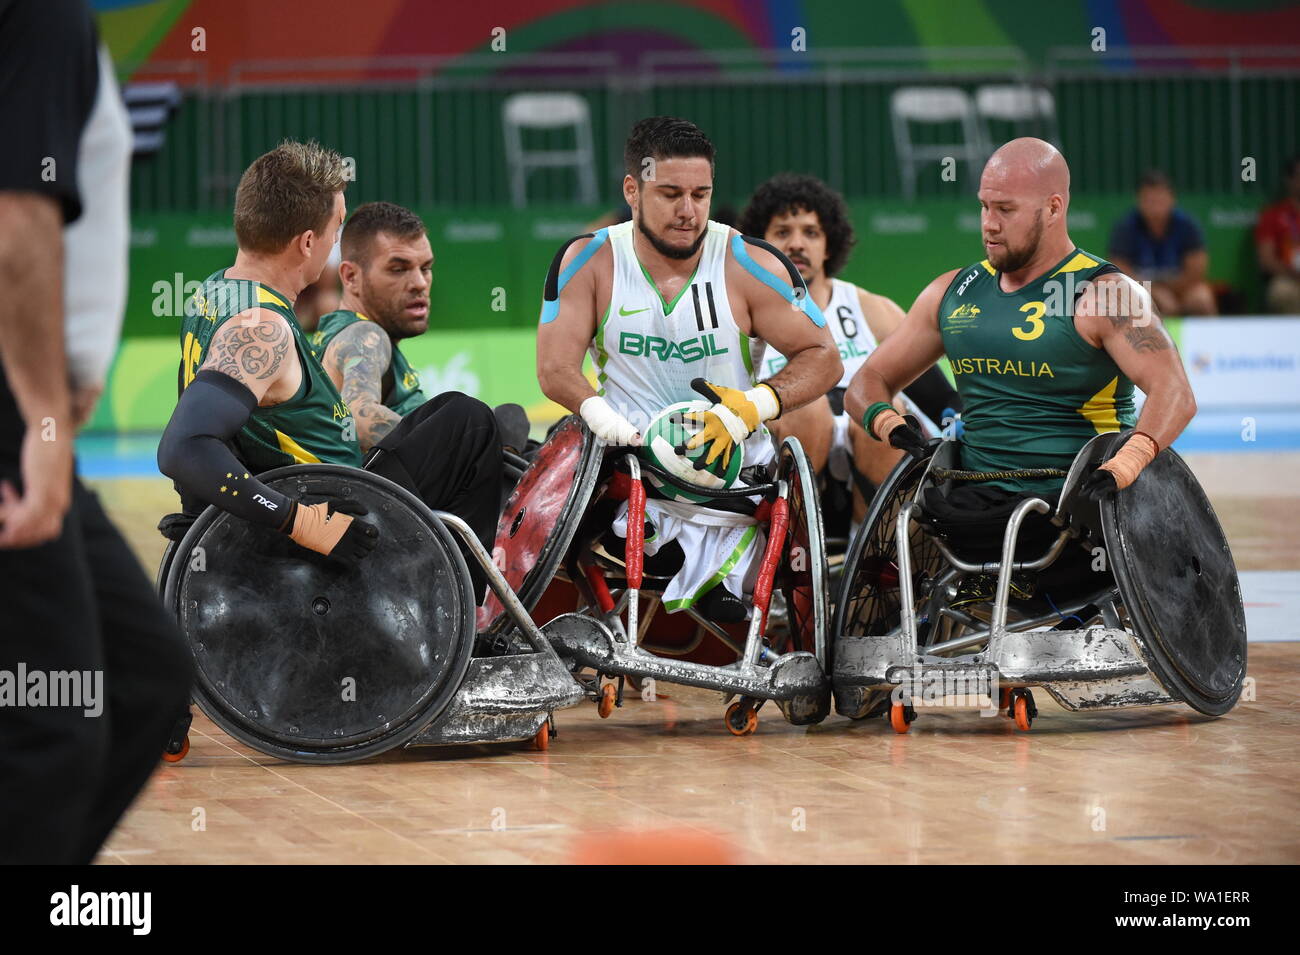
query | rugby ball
[670, 430]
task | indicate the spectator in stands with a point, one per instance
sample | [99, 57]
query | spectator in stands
[1161, 244]
[1277, 243]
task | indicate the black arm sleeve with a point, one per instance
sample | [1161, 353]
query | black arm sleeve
[933, 394]
[193, 451]
[49, 75]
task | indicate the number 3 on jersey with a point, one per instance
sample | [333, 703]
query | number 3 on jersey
[1034, 324]
[191, 351]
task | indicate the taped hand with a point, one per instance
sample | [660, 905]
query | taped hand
[331, 528]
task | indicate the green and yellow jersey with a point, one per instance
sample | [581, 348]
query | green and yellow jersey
[401, 382]
[1034, 391]
[315, 425]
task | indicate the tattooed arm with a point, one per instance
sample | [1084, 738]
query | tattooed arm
[1116, 313]
[255, 348]
[251, 360]
[357, 359]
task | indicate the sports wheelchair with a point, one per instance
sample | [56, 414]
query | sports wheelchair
[549, 547]
[1130, 601]
[302, 659]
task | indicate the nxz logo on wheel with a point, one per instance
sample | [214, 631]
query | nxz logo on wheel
[269, 505]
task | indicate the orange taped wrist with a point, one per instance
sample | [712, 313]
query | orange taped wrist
[884, 423]
[1138, 451]
[317, 529]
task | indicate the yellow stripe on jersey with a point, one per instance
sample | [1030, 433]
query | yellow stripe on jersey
[266, 297]
[295, 450]
[988, 267]
[1100, 408]
[1080, 261]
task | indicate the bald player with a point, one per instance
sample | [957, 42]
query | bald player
[1046, 343]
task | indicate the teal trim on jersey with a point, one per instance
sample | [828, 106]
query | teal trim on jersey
[803, 303]
[551, 309]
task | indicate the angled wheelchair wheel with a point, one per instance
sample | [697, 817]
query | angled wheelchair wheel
[306, 660]
[1179, 584]
[868, 598]
[802, 575]
[868, 601]
[542, 516]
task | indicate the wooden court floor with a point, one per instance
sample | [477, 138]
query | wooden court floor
[1150, 785]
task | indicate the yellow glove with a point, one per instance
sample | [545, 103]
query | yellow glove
[735, 415]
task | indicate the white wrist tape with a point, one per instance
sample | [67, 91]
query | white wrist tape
[607, 424]
[764, 399]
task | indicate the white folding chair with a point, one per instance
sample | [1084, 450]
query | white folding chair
[933, 105]
[1028, 106]
[548, 111]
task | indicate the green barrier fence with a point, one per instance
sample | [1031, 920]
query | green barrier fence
[490, 262]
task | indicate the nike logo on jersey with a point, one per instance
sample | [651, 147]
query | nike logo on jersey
[625, 312]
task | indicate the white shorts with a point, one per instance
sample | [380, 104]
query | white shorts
[720, 548]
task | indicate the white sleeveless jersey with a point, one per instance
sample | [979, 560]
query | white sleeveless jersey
[647, 351]
[848, 325]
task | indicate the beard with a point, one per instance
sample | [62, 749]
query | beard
[671, 251]
[1013, 260]
[390, 315]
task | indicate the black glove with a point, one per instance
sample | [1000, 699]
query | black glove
[1100, 484]
[907, 437]
[360, 538]
[356, 542]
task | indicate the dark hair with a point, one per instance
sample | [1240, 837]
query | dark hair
[368, 220]
[789, 192]
[1154, 177]
[284, 193]
[663, 137]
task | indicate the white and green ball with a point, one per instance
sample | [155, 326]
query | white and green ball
[668, 431]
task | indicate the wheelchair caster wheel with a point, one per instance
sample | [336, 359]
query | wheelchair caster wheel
[605, 702]
[174, 753]
[1023, 709]
[542, 741]
[1004, 703]
[742, 718]
[901, 716]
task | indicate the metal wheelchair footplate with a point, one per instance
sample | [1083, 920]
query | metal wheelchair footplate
[1083, 669]
[509, 696]
[788, 676]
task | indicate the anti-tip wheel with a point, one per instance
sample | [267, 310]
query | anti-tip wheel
[901, 716]
[605, 702]
[741, 718]
[175, 757]
[542, 740]
[1023, 709]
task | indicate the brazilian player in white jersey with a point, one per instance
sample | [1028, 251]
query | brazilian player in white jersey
[673, 307]
[809, 222]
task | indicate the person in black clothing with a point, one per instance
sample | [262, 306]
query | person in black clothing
[78, 612]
